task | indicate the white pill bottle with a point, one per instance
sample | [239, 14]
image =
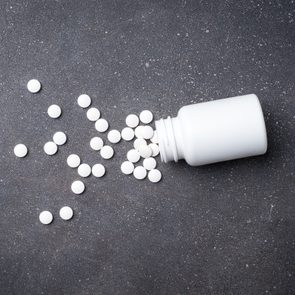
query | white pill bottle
[214, 131]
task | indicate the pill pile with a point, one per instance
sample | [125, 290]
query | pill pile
[137, 131]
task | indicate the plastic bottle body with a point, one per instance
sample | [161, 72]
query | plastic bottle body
[214, 131]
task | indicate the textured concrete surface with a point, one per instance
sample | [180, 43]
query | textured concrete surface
[221, 229]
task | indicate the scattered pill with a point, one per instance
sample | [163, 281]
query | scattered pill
[147, 132]
[73, 161]
[60, 138]
[138, 142]
[114, 136]
[50, 148]
[93, 114]
[84, 101]
[155, 175]
[139, 131]
[54, 111]
[106, 152]
[133, 156]
[132, 120]
[34, 86]
[139, 172]
[155, 149]
[78, 187]
[154, 139]
[20, 150]
[127, 167]
[145, 151]
[96, 143]
[101, 125]
[45, 217]
[66, 213]
[127, 134]
[98, 170]
[146, 117]
[149, 163]
[84, 170]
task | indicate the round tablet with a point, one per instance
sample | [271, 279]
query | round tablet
[114, 136]
[50, 148]
[96, 143]
[60, 138]
[73, 161]
[93, 114]
[139, 131]
[84, 170]
[149, 163]
[34, 86]
[132, 120]
[133, 156]
[154, 139]
[78, 187]
[155, 175]
[20, 150]
[101, 125]
[155, 149]
[127, 133]
[45, 217]
[147, 132]
[138, 142]
[106, 152]
[54, 111]
[66, 213]
[139, 172]
[127, 167]
[146, 117]
[84, 101]
[145, 151]
[98, 170]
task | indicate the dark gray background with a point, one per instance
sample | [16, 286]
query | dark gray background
[222, 229]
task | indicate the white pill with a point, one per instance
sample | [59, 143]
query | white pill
[155, 175]
[154, 139]
[133, 156]
[66, 213]
[127, 167]
[132, 120]
[138, 142]
[54, 111]
[114, 136]
[84, 170]
[127, 133]
[59, 138]
[149, 163]
[20, 150]
[139, 131]
[146, 117]
[50, 148]
[78, 187]
[147, 132]
[98, 170]
[145, 151]
[101, 125]
[34, 86]
[106, 152]
[73, 161]
[96, 143]
[139, 172]
[45, 217]
[155, 149]
[84, 101]
[93, 114]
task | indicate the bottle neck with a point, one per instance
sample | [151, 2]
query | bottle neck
[170, 140]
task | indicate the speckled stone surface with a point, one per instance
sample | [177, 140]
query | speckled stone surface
[222, 229]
